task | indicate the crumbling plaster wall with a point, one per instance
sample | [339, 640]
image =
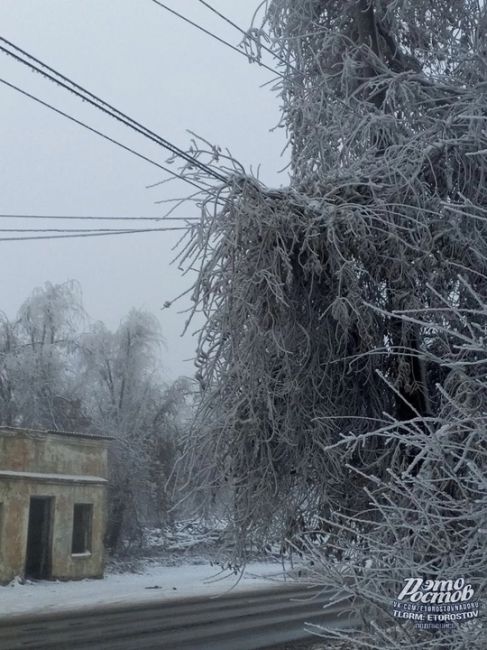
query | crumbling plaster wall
[15, 494]
[30, 451]
[70, 469]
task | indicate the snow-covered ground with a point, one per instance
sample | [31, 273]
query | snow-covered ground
[155, 582]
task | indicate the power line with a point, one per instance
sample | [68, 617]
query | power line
[111, 111]
[94, 218]
[246, 34]
[94, 234]
[94, 230]
[95, 101]
[220, 40]
[102, 135]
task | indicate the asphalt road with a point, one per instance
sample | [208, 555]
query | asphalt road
[235, 621]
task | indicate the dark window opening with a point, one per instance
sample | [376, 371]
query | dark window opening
[82, 526]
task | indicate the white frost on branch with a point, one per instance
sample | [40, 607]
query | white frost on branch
[343, 360]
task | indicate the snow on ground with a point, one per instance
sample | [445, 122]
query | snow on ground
[154, 583]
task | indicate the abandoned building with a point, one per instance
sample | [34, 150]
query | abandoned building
[52, 504]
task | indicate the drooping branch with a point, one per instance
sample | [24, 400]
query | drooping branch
[343, 357]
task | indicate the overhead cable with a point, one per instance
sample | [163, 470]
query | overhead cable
[85, 95]
[218, 38]
[100, 133]
[102, 230]
[247, 34]
[94, 234]
[94, 218]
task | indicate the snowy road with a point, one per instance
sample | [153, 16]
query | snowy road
[153, 582]
[239, 620]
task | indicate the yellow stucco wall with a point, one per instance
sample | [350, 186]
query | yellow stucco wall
[31, 451]
[68, 469]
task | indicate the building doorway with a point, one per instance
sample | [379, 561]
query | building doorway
[39, 536]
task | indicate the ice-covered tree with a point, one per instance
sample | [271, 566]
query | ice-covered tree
[54, 375]
[126, 397]
[343, 359]
[38, 360]
[9, 348]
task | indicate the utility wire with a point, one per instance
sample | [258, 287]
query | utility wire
[94, 234]
[102, 135]
[102, 230]
[247, 34]
[95, 101]
[91, 217]
[220, 40]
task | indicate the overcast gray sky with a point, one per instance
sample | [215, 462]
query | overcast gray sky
[161, 72]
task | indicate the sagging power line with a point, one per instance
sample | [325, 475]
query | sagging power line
[72, 235]
[100, 133]
[249, 57]
[65, 82]
[89, 230]
[246, 34]
[93, 218]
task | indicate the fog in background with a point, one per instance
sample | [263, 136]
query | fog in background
[163, 73]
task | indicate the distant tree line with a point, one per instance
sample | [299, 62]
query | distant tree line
[59, 371]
